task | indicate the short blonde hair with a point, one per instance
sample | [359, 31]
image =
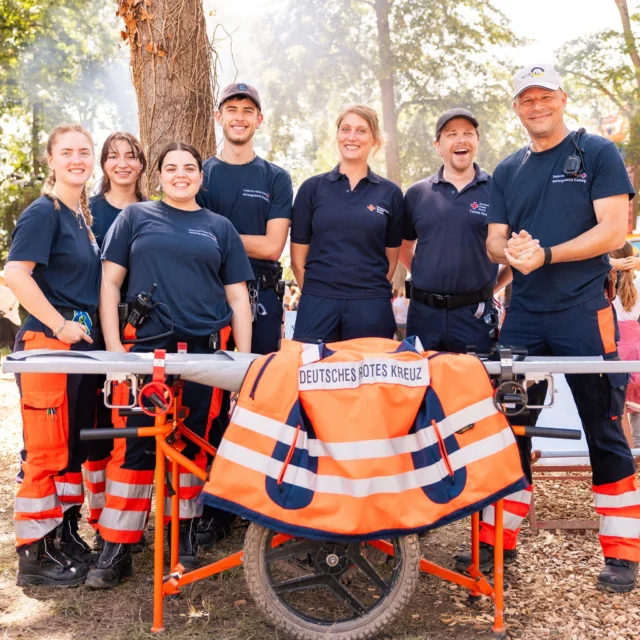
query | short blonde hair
[369, 115]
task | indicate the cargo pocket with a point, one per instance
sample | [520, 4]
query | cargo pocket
[617, 388]
[44, 412]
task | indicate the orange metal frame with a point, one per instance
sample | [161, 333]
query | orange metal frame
[171, 424]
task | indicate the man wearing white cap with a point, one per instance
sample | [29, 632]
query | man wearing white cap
[558, 206]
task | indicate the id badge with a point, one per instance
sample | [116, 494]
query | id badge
[83, 318]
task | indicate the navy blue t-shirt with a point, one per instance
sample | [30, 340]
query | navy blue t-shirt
[451, 255]
[191, 255]
[103, 214]
[347, 232]
[531, 192]
[249, 195]
[68, 269]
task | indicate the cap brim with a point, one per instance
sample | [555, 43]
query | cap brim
[552, 86]
[473, 121]
[240, 94]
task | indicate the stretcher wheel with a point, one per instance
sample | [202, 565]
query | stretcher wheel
[339, 591]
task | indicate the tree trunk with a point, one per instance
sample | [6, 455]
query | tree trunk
[386, 79]
[36, 157]
[172, 72]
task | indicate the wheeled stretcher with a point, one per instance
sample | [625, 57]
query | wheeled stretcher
[370, 581]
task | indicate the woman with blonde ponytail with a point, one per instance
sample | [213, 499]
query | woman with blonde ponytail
[627, 306]
[54, 270]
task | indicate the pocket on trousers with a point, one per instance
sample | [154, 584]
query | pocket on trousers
[617, 390]
[44, 411]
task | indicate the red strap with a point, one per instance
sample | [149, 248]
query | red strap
[159, 361]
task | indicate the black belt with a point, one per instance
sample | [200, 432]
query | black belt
[69, 314]
[438, 301]
[267, 281]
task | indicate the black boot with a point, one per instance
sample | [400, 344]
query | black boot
[98, 542]
[618, 576]
[215, 525]
[71, 544]
[188, 544]
[141, 545]
[114, 565]
[42, 563]
[463, 560]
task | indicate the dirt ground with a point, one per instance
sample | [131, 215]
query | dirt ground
[551, 592]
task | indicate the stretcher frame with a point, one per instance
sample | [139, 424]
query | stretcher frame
[169, 424]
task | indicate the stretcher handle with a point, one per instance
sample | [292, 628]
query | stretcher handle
[108, 434]
[547, 432]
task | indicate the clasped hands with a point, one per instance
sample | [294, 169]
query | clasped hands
[524, 253]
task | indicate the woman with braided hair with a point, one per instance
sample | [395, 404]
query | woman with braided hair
[627, 306]
[54, 270]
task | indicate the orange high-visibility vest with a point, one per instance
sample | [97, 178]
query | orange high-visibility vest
[361, 439]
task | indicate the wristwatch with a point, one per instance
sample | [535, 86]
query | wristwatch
[547, 255]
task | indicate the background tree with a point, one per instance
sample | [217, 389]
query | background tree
[603, 71]
[173, 74]
[59, 62]
[411, 59]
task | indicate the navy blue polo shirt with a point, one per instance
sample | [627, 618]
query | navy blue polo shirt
[191, 255]
[531, 192]
[68, 269]
[249, 195]
[103, 214]
[449, 225]
[347, 232]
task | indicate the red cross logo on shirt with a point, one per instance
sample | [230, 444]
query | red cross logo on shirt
[474, 205]
[371, 207]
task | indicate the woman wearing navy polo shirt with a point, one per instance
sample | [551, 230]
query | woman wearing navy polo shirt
[199, 264]
[123, 164]
[345, 237]
[54, 270]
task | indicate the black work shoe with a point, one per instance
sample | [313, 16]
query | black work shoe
[618, 576]
[98, 542]
[114, 565]
[463, 560]
[215, 528]
[188, 543]
[71, 544]
[42, 563]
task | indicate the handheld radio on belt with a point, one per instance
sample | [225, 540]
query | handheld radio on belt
[134, 314]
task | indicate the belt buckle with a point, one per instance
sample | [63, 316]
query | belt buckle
[83, 318]
[441, 301]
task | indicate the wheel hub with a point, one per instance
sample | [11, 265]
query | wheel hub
[332, 559]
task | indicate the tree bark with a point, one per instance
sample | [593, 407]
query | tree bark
[386, 79]
[171, 65]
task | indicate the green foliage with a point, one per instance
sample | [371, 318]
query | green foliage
[58, 63]
[322, 54]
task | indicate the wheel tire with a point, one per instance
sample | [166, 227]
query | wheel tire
[367, 626]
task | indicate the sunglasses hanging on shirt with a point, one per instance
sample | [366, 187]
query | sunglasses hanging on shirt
[574, 165]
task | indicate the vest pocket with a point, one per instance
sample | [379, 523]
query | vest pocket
[256, 382]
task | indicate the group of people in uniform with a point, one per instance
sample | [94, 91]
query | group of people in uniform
[204, 258]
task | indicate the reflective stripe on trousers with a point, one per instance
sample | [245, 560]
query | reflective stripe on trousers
[95, 476]
[190, 488]
[516, 508]
[618, 504]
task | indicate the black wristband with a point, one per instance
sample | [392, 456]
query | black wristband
[547, 255]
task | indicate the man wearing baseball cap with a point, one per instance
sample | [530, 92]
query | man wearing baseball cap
[257, 197]
[452, 279]
[558, 206]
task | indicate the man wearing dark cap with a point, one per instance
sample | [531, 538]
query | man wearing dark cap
[558, 207]
[256, 196]
[453, 281]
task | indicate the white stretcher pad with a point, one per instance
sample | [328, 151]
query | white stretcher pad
[227, 369]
